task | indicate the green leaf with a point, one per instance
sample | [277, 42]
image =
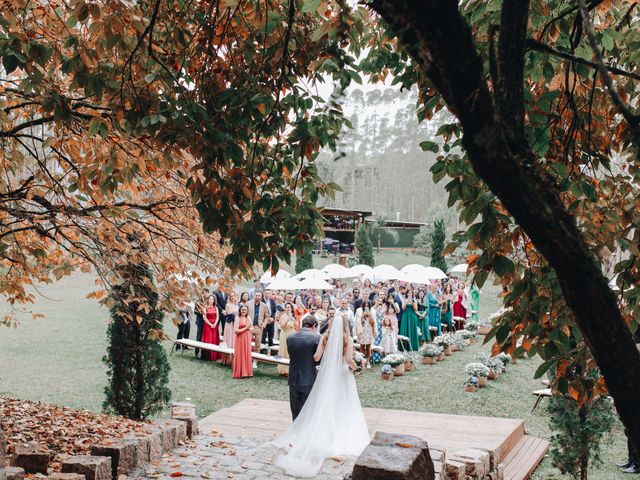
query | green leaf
[542, 369]
[310, 6]
[10, 63]
[428, 146]
[503, 266]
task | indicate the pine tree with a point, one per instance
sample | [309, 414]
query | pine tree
[577, 433]
[138, 369]
[364, 247]
[437, 245]
[304, 261]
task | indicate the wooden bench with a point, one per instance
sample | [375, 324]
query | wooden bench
[543, 392]
[259, 357]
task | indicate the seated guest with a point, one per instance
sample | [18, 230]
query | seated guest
[185, 311]
[242, 326]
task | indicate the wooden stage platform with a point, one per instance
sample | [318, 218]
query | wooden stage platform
[504, 438]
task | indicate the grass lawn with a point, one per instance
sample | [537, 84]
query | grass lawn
[58, 360]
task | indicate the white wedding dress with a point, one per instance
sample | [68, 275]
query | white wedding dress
[331, 423]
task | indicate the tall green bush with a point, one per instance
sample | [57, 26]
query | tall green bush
[437, 245]
[138, 369]
[364, 247]
[304, 261]
[577, 432]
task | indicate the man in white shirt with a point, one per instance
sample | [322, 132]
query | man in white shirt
[347, 313]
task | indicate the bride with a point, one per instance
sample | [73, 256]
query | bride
[331, 423]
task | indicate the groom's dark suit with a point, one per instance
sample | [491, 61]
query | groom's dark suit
[302, 368]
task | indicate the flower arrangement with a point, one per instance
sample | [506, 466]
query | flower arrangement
[477, 369]
[496, 365]
[504, 358]
[442, 340]
[459, 341]
[483, 358]
[393, 359]
[358, 358]
[431, 350]
[467, 334]
[387, 370]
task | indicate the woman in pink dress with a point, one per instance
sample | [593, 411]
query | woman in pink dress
[230, 313]
[242, 366]
[210, 332]
[459, 308]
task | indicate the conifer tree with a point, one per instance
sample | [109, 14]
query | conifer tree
[304, 261]
[437, 245]
[138, 369]
[364, 247]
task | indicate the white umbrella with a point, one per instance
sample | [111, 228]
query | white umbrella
[335, 270]
[418, 278]
[362, 271]
[460, 268]
[267, 277]
[434, 273]
[386, 272]
[414, 269]
[315, 284]
[284, 284]
[312, 273]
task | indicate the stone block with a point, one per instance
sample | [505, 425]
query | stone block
[3, 448]
[123, 454]
[454, 470]
[394, 457]
[191, 422]
[182, 409]
[32, 457]
[436, 455]
[477, 462]
[92, 467]
[13, 473]
[173, 432]
[66, 476]
[154, 434]
[143, 448]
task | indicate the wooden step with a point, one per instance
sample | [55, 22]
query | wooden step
[523, 459]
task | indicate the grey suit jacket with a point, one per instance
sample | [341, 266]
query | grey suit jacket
[301, 347]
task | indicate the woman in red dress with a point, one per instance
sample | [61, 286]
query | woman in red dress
[459, 308]
[242, 366]
[210, 332]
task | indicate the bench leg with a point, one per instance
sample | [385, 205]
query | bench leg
[537, 402]
[172, 348]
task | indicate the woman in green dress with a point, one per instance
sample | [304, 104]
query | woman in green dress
[409, 323]
[475, 301]
[447, 303]
[423, 317]
[434, 308]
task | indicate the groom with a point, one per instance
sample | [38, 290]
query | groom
[302, 368]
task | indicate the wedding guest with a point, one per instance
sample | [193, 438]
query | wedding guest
[459, 307]
[257, 287]
[313, 310]
[242, 366]
[356, 301]
[199, 314]
[347, 314]
[391, 310]
[269, 328]
[287, 327]
[299, 310]
[389, 339]
[364, 330]
[445, 302]
[409, 324]
[377, 312]
[185, 311]
[434, 308]
[323, 311]
[423, 317]
[474, 294]
[325, 325]
[210, 332]
[221, 301]
[258, 315]
[244, 298]
[230, 314]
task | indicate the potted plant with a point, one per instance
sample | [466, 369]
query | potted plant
[479, 370]
[495, 368]
[387, 372]
[471, 384]
[505, 359]
[430, 352]
[469, 336]
[458, 343]
[444, 341]
[409, 362]
[396, 361]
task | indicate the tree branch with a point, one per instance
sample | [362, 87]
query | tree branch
[632, 119]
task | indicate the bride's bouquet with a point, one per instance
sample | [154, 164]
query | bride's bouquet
[358, 358]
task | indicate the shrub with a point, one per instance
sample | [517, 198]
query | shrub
[364, 247]
[304, 261]
[437, 245]
[138, 369]
[578, 431]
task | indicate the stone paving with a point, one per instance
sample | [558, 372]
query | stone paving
[218, 457]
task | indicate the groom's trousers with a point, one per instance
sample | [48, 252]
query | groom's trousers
[298, 394]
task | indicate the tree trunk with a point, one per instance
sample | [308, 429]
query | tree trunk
[440, 42]
[378, 245]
